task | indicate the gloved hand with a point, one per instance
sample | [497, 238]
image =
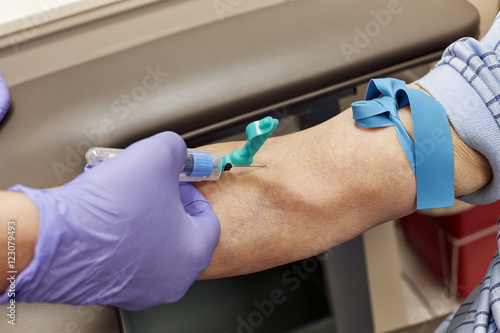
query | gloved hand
[125, 233]
[4, 98]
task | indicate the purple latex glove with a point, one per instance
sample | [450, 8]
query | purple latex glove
[125, 233]
[4, 98]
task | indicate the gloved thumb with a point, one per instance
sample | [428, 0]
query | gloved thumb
[164, 152]
[173, 148]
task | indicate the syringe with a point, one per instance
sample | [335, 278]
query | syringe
[207, 164]
[200, 164]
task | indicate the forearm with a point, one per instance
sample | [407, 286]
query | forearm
[320, 188]
[18, 208]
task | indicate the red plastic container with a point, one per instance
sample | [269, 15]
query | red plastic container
[457, 247]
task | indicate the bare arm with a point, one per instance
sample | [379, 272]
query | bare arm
[321, 187]
[18, 208]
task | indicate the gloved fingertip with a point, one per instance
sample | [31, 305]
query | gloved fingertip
[4, 97]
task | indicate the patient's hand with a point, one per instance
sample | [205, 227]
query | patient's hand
[320, 187]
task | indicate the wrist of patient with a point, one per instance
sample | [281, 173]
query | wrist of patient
[472, 170]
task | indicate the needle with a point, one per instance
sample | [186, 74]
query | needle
[229, 166]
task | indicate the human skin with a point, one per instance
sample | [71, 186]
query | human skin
[16, 207]
[320, 187]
